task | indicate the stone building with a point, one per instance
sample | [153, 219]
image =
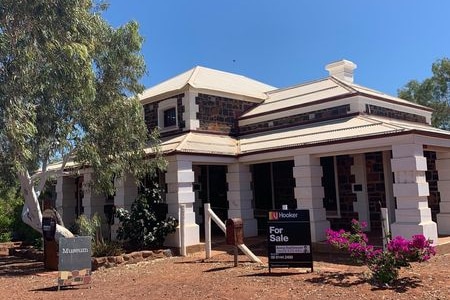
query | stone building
[333, 147]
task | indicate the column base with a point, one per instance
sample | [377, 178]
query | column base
[443, 223]
[319, 230]
[192, 236]
[407, 230]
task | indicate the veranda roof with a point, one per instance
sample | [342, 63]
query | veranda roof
[338, 130]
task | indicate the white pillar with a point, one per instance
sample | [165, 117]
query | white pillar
[413, 216]
[66, 199]
[240, 197]
[443, 167]
[179, 179]
[309, 194]
[93, 202]
[126, 193]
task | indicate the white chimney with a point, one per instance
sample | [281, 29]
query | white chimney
[342, 69]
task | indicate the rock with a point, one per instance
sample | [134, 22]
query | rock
[147, 253]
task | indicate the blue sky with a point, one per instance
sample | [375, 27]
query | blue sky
[287, 42]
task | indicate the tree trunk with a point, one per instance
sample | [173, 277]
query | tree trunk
[31, 212]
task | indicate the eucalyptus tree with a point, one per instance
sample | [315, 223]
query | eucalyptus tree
[69, 85]
[433, 92]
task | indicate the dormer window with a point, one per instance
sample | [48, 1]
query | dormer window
[170, 117]
[167, 115]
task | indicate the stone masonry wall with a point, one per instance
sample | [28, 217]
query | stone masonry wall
[151, 114]
[394, 114]
[220, 114]
[346, 195]
[304, 118]
[432, 178]
[375, 188]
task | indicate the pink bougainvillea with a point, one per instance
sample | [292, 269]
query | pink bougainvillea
[384, 264]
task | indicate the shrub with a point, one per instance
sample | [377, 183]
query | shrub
[145, 226]
[107, 249]
[384, 264]
[93, 227]
[9, 201]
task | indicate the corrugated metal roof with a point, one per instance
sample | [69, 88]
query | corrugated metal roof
[318, 90]
[339, 129]
[299, 95]
[324, 132]
[371, 92]
[210, 79]
[203, 143]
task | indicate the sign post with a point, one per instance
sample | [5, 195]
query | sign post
[289, 239]
[74, 261]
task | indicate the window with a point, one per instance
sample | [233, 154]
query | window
[167, 115]
[329, 183]
[170, 117]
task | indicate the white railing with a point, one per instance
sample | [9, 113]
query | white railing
[210, 215]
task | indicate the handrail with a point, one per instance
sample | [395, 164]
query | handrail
[209, 214]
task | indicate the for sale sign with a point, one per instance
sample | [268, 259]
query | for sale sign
[289, 239]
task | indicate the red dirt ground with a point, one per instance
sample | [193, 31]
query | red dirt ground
[193, 277]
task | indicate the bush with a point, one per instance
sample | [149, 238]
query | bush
[92, 227]
[107, 249]
[384, 264]
[5, 225]
[145, 226]
[8, 204]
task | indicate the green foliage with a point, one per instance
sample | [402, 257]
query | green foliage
[69, 85]
[109, 248]
[10, 214]
[433, 92]
[5, 221]
[145, 225]
[93, 227]
[90, 227]
[23, 232]
[384, 264]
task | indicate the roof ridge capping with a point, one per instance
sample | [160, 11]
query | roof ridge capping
[342, 69]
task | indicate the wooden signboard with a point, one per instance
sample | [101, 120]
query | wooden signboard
[289, 239]
[74, 261]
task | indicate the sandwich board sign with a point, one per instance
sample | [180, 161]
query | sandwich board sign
[289, 239]
[74, 261]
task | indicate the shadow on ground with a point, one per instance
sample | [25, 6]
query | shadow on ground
[349, 279]
[17, 266]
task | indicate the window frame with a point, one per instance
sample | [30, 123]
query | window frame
[163, 107]
[334, 213]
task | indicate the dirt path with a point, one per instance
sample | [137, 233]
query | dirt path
[193, 277]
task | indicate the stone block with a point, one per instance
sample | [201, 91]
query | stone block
[407, 150]
[407, 230]
[306, 160]
[307, 171]
[411, 189]
[312, 192]
[415, 163]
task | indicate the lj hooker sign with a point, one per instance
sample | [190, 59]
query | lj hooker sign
[289, 239]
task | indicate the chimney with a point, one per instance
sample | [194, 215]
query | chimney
[342, 70]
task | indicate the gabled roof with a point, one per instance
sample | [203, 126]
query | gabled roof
[210, 79]
[319, 90]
